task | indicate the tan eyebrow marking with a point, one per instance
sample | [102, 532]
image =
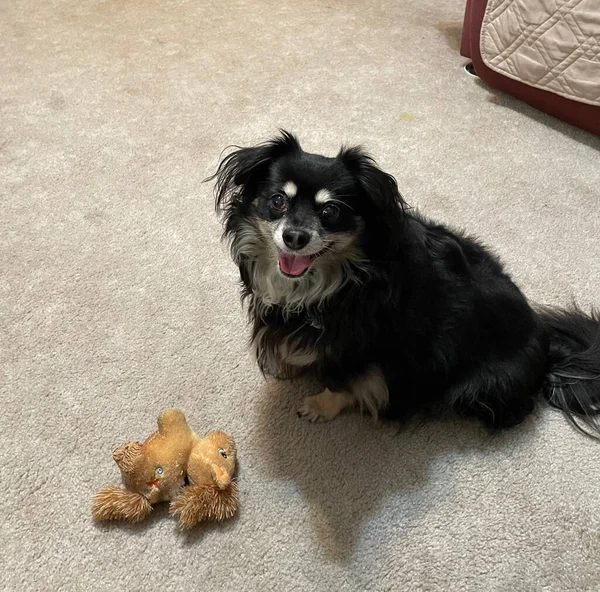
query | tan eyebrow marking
[322, 196]
[290, 189]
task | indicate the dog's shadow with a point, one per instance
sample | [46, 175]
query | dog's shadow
[347, 470]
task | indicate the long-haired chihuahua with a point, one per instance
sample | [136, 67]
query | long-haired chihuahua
[394, 313]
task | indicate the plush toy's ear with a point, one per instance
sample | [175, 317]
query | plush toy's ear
[240, 173]
[198, 502]
[172, 421]
[115, 503]
[127, 455]
[220, 475]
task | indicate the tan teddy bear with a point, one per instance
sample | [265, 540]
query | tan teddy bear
[156, 471]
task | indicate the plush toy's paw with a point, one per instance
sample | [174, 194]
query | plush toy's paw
[323, 407]
[115, 503]
[199, 502]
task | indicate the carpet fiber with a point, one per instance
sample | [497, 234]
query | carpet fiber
[118, 300]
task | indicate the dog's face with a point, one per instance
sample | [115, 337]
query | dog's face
[307, 211]
[302, 222]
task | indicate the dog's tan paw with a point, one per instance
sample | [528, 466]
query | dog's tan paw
[323, 407]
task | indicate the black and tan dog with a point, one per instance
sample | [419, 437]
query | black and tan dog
[393, 312]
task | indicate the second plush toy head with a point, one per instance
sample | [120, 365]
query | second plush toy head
[211, 494]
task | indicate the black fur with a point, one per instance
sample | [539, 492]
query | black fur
[430, 307]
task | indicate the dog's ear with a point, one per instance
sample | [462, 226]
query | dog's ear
[385, 208]
[240, 173]
[380, 187]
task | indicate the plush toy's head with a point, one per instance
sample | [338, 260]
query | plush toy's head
[211, 495]
[212, 460]
[152, 471]
[156, 468]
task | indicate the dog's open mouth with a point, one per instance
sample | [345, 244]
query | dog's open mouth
[295, 265]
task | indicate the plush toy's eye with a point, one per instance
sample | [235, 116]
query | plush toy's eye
[159, 470]
[222, 453]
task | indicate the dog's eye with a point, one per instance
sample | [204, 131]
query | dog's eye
[278, 202]
[159, 470]
[222, 453]
[330, 213]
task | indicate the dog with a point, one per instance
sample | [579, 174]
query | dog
[394, 313]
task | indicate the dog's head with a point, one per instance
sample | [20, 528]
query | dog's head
[306, 215]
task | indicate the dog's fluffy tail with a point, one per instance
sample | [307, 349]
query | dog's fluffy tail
[573, 377]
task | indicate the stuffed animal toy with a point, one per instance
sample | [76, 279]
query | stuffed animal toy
[211, 493]
[176, 465]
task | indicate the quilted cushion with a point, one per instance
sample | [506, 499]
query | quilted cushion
[553, 45]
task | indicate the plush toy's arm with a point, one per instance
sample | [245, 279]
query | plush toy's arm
[204, 502]
[115, 503]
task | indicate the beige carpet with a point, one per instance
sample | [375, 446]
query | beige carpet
[118, 300]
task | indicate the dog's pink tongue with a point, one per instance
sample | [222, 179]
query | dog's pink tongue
[293, 264]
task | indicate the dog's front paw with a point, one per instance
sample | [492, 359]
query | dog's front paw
[323, 407]
[311, 410]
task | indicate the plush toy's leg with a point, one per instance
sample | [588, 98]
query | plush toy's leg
[115, 503]
[199, 502]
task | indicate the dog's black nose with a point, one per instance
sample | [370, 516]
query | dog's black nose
[295, 239]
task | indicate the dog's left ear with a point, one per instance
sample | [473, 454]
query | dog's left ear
[385, 208]
[240, 173]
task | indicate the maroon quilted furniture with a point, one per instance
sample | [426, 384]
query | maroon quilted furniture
[582, 115]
